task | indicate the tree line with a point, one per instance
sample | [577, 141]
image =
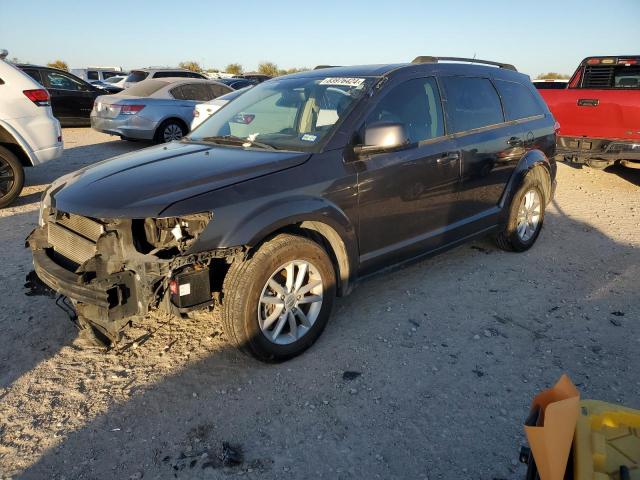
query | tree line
[264, 68]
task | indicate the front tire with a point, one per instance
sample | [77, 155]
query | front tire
[526, 215]
[11, 177]
[277, 303]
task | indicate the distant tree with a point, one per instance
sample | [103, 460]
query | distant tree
[59, 64]
[191, 65]
[289, 71]
[213, 70]
[553, 76]
[268, 68]
[234, 69]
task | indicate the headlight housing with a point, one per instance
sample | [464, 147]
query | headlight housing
[178, 232]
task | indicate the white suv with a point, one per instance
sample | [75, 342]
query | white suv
[29, 133]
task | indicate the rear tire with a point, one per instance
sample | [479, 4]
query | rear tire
[526, 215]
[170, 130]
[11, 177]
[257, 319]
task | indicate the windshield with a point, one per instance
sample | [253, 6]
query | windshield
[289, 114]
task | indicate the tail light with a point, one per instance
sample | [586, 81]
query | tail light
[129, 109]
[40, 97]
[196, 113]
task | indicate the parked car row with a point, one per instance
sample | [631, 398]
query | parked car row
[159, 109]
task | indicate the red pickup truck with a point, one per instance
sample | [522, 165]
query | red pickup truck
[599, 112]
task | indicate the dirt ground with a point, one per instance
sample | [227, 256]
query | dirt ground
[423, 372]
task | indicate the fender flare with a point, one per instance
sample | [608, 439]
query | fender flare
[530, 160]
[19, 141]
[309, 213]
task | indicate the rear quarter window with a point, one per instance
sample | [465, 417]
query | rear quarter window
[137, 76]
[518, 101]
[470, 103]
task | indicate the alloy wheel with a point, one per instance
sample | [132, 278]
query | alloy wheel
[290, 302]
[529, 215]
[7, 177]
[172, 132]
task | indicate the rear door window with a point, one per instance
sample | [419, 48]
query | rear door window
[63, 82]
[191, 91]
[471, 103]
[518, 101]
[93, 75]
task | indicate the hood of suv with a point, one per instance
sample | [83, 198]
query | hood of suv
[142, 184]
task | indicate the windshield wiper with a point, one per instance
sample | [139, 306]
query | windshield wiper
[235, 140]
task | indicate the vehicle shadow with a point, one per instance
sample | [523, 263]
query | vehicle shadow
[631, 175]
[415, 367]
[47, 328]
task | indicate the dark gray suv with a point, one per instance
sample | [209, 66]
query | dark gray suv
[295, 190]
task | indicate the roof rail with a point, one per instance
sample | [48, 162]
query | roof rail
[320, 67]
[428, 59]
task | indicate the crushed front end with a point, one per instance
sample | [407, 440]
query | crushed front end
[115, 271]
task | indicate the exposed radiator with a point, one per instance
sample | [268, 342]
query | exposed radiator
[74, 237]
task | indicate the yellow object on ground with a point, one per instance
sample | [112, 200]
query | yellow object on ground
[607, 437]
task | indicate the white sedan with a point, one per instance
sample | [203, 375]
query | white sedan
[203, 111]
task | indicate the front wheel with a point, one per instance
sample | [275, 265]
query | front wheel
[526, 215]
[276, 304]
[11, 177]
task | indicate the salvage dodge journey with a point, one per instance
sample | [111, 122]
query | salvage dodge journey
[289, 194]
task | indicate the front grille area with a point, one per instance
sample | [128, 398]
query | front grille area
[74, 237]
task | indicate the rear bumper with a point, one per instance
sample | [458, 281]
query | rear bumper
[46, 154]
[131, 126]
[583, 149]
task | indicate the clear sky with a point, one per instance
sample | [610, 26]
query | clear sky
[537, 36]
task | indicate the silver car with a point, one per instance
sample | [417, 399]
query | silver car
[157, 109]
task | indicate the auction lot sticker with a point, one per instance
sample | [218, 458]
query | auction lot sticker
[343, 81]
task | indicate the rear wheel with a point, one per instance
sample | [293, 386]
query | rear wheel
[11, 177]
[526, 215]
[277, 303]
[169, 131]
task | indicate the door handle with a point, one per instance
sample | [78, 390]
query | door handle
[515, 142]
[588, 102]
[448, 158]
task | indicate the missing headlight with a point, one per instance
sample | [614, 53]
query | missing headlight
[175, 232]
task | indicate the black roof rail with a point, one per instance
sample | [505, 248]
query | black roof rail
[428, 59]
[320, 67]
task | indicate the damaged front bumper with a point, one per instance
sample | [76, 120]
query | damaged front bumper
[109, 281]
[107, 299]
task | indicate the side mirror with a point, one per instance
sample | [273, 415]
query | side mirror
[383, 137]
